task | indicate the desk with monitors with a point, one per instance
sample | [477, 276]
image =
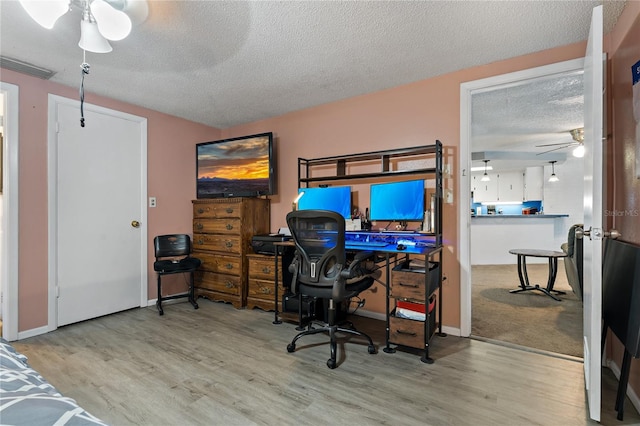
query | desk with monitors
[407, 281]
[406, 189]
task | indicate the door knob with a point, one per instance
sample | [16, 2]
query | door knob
[597, 233]
[581, 233]
[135, 224]
[613, 234]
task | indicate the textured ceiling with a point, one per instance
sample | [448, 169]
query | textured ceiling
[225, 63]
[529, 123]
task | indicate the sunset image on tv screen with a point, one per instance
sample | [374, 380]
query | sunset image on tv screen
[233, 167]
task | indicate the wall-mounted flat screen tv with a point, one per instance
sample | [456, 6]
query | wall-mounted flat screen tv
[237, 167]
[334, 198]
[397, 201]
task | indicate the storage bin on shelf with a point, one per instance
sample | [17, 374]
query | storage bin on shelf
[406, 323]
[408, 282]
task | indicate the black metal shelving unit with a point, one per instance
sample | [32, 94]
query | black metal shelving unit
[319, 171]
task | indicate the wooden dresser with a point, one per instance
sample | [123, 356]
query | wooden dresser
[222, 231]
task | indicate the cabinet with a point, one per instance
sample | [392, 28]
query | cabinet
[505, 186]
[533, 183]
[510, 186]
[222, 231]
[485, 191]
[404, 282]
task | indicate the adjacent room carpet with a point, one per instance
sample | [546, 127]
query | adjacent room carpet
[531, 318]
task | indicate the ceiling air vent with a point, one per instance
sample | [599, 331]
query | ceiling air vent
[25, 68]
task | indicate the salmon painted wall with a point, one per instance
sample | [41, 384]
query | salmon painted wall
[405, 116]
[171, 178]
[622, 151]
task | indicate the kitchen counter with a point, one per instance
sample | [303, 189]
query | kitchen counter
[492, 236]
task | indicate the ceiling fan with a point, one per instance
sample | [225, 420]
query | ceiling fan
[578, 142]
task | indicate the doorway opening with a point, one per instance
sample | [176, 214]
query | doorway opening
[507, 119]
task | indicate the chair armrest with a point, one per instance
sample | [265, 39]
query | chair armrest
[355, 269]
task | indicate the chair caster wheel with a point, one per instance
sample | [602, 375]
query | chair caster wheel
[372, 349]
[291, 347]
[331, 363]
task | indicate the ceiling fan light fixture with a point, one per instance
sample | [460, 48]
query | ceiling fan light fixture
[113, 24]
[578, 134]
[90, 38]
[45, 13]
[579, 151]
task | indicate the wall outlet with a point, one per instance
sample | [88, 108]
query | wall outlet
[448, 196]
[152, 201]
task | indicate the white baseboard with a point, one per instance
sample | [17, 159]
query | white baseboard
[33, 332]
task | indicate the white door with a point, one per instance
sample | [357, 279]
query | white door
[593, 195]
[100, 188]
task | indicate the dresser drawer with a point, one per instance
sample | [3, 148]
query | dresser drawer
[215, 242]
[407, 284]
[216, 210]
[223, 283]
[229, 226]
[230, 265]
[263, 289]
[263, 268]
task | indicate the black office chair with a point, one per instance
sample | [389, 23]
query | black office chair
[320, 270]
[173, 257]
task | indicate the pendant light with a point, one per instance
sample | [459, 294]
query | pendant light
[485, 176]
[553, 177]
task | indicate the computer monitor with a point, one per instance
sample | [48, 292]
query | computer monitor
[397, 201]
[334, 198]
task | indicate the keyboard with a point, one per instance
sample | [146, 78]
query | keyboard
[366, 243]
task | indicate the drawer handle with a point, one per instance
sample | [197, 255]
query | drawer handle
[200, 241]
[266, 290]
[408, 285]
[408, 333]
[199, 226]
[229, 226]
[266, 270]
[229, 266]
[229, 284]
[228, 244]
[200, 210]
[229, 210]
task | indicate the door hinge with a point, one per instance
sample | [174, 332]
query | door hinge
[57, 292]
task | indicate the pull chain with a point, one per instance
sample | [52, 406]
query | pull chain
[85, 71]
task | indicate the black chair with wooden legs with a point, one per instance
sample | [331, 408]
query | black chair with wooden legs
[320, 270]
[173, 256]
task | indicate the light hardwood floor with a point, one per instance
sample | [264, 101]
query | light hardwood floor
[223, 366]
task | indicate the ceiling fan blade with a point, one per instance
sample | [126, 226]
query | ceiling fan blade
[555, 149]
[559, 143]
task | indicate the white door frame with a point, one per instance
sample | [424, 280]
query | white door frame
[464, 219]
[54, 100]
[10, 221]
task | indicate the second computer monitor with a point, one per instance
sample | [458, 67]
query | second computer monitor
[333, 198]
[397, 201]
